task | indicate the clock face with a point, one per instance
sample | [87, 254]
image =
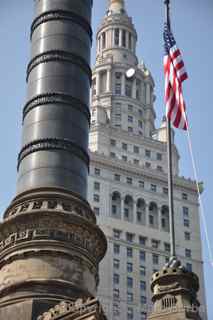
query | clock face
[130, 73]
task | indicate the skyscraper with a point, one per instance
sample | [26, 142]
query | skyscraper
[128, 176]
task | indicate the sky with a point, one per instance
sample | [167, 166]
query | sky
[192, 24]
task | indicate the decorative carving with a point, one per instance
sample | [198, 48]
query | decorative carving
[167, 288]
[62, 15]
[53, 144]
[56, 98]
[57, 55]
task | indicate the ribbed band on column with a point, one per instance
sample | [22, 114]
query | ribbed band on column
[56, 116]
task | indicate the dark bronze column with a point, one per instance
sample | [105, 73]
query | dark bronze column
[50, 245]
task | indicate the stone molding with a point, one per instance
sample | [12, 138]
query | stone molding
[50, 199]
[59, 55]
[56, 98]
[61, 15]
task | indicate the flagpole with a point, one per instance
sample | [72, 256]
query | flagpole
[169, 155]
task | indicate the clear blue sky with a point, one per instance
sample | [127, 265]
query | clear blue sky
[193, 28]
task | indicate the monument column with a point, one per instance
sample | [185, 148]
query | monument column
[50, 243]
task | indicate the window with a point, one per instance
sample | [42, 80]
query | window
[159, 156]
[188, 253]
[128, 89]
[167, 259]
[129, 267]
[113, 142]
[129, 282]
[96, 185]
[129, 237]
[116, 312]
[117, 177]
[129, 297]
[97, 171]
[116, 294]
[123, 38]
[129, 252]
[184, 196]
[140, 124]
[143, 315]
[189, 267]
[165, 191]
[136, 149]
[153, 187]
[130, 108]
[129, 180]
[151, 220]
[147, 165]
[142, 285]
[124, 158]
[116, 248]
[148, 153]
[186, 223]
[103, 40]
[143, 300]
[118, 88]
[142, 271]
[116, 38]
[140, 112]
[114, 209]
[167, 247]
[130, 129]
[130, 119]
[124, 146]
[155, 243]
[141, 184]
[185, 212]
[142, 256]
[142, 240]
[118, 75]
[112, 154]
[187, 236]
[130, 314]
[116, 263]
[126, 213]
[116, 278]
[159, 168]
[136, 161]
[96, 197]
[155, 259]
[97, 211]
[116, 233]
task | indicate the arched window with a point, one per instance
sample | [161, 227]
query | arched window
[116, 36]
[141, 211]
[165, 218]
[116, 205]
[153, 215]
[128, 208]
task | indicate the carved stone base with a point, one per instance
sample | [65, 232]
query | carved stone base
[50, 248]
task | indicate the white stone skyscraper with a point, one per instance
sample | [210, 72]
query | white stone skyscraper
[128, 176]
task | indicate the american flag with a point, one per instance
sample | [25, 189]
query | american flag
[175, 74]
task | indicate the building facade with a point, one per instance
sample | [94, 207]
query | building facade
[128, 176]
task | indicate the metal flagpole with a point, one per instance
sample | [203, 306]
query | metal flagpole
[169, 152]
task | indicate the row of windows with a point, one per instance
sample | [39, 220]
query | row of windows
[130, 237]
[141, 184]
[121, 37]
[135, 149]
[142, 254]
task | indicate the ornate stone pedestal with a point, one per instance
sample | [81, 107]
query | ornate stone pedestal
[175, 295]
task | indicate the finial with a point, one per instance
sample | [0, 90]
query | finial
[116, 6]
